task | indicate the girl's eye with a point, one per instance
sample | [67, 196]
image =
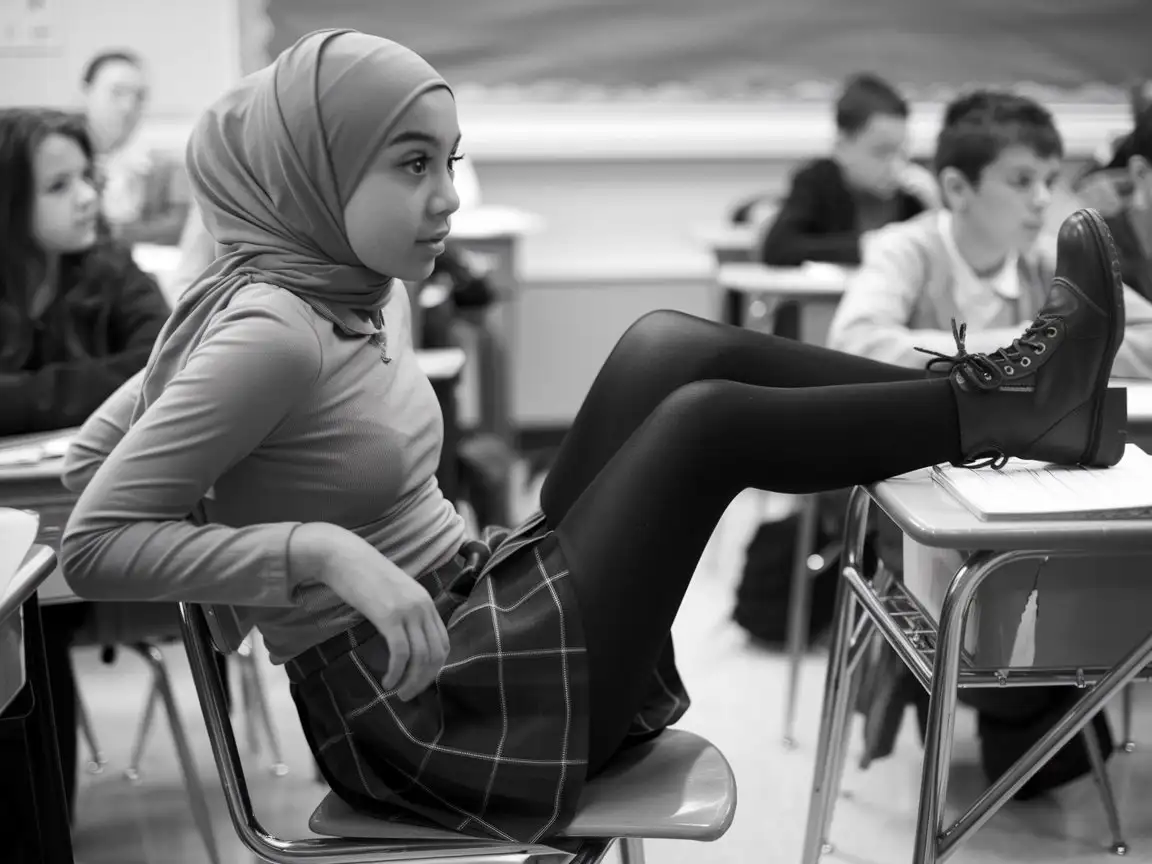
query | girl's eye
[419, 165]
[452, 160]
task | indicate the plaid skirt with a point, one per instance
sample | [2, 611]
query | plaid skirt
[498, 746]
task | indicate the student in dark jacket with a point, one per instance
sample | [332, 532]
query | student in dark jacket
[865, 184]
[77, 319]
[1121, 189]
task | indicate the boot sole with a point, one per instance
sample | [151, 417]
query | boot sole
[1110, 407]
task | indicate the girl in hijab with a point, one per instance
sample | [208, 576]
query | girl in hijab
[281, 456]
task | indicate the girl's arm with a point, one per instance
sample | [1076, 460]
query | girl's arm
[130, 536]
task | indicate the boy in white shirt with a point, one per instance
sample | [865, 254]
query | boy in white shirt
[980, 260]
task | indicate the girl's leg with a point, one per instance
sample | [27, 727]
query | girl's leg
[635, 535]
[664, 351]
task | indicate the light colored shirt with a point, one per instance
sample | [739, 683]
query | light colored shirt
[984, 299]
[909, 288]
[277, 419]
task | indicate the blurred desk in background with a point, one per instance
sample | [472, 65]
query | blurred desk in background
[488, 239]
[35, 820]
[729, 243]
[1139, 411]
[752, 291]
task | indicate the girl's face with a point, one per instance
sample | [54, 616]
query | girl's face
[398, 215]
[64, 203]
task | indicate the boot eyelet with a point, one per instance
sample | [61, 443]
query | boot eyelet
[1050, 333]
[1024, 361]
[1040, 348]
[1008, 370]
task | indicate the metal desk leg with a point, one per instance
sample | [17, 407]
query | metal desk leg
[1128, 744]
[799, 608]
[1100, 774]
[942, 704]
[834, 713]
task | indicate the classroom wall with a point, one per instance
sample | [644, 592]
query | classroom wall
[622, 188]
[191, 50]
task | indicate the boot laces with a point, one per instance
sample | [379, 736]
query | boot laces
[981, 370]
[984, 373]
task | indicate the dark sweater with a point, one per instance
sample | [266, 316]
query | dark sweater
[82, 349]
[820, 220]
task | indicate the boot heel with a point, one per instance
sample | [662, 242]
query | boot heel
[1112, 437]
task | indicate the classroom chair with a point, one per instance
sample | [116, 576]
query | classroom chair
[254, 703]
[677, 786]
[142, 627]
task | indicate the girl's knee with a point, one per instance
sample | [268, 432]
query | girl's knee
[662, 329]
[697, 405]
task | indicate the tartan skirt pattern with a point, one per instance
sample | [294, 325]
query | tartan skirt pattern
[498, 746]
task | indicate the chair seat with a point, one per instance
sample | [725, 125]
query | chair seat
[677, 786]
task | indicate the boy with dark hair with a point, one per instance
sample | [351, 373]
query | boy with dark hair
[864, 184]
[979, 261]
[1121, 190]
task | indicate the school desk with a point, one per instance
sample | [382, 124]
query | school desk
[938, 647]
[36, 828]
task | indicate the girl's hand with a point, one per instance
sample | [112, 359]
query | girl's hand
[392, 600]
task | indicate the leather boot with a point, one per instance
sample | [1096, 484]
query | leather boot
[1046, 396]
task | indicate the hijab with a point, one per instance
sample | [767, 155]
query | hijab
[272, 165]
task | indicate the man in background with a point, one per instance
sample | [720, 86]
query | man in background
[144, 197]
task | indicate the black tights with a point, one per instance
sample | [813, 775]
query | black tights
[683, 416]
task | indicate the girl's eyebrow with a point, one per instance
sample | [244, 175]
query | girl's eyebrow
[416, 136]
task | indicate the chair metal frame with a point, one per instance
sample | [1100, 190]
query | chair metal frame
[934, 653]
[200, 645]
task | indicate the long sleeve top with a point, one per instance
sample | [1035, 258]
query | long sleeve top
[277, 419]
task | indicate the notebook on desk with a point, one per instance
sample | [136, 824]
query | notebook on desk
[1037, 490]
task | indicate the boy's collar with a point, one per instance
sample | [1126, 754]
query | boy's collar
[1000, 280]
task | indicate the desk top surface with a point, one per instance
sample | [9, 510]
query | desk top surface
[931, 516]
[810, 280]
[739, 238]
[38, 566]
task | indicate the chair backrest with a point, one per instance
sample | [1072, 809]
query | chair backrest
[200, 645]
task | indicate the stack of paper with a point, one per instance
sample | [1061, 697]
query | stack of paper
[1036, 490]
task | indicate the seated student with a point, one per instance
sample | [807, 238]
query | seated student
[865, 184]
[1120, 190]
[977, 260]
[144, 195]
[77, 319]
[280, 458]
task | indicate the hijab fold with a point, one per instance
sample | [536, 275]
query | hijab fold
[272, 165]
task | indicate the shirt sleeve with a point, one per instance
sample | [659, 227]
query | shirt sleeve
[99, 435]
[130, 536]
[872, 318]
